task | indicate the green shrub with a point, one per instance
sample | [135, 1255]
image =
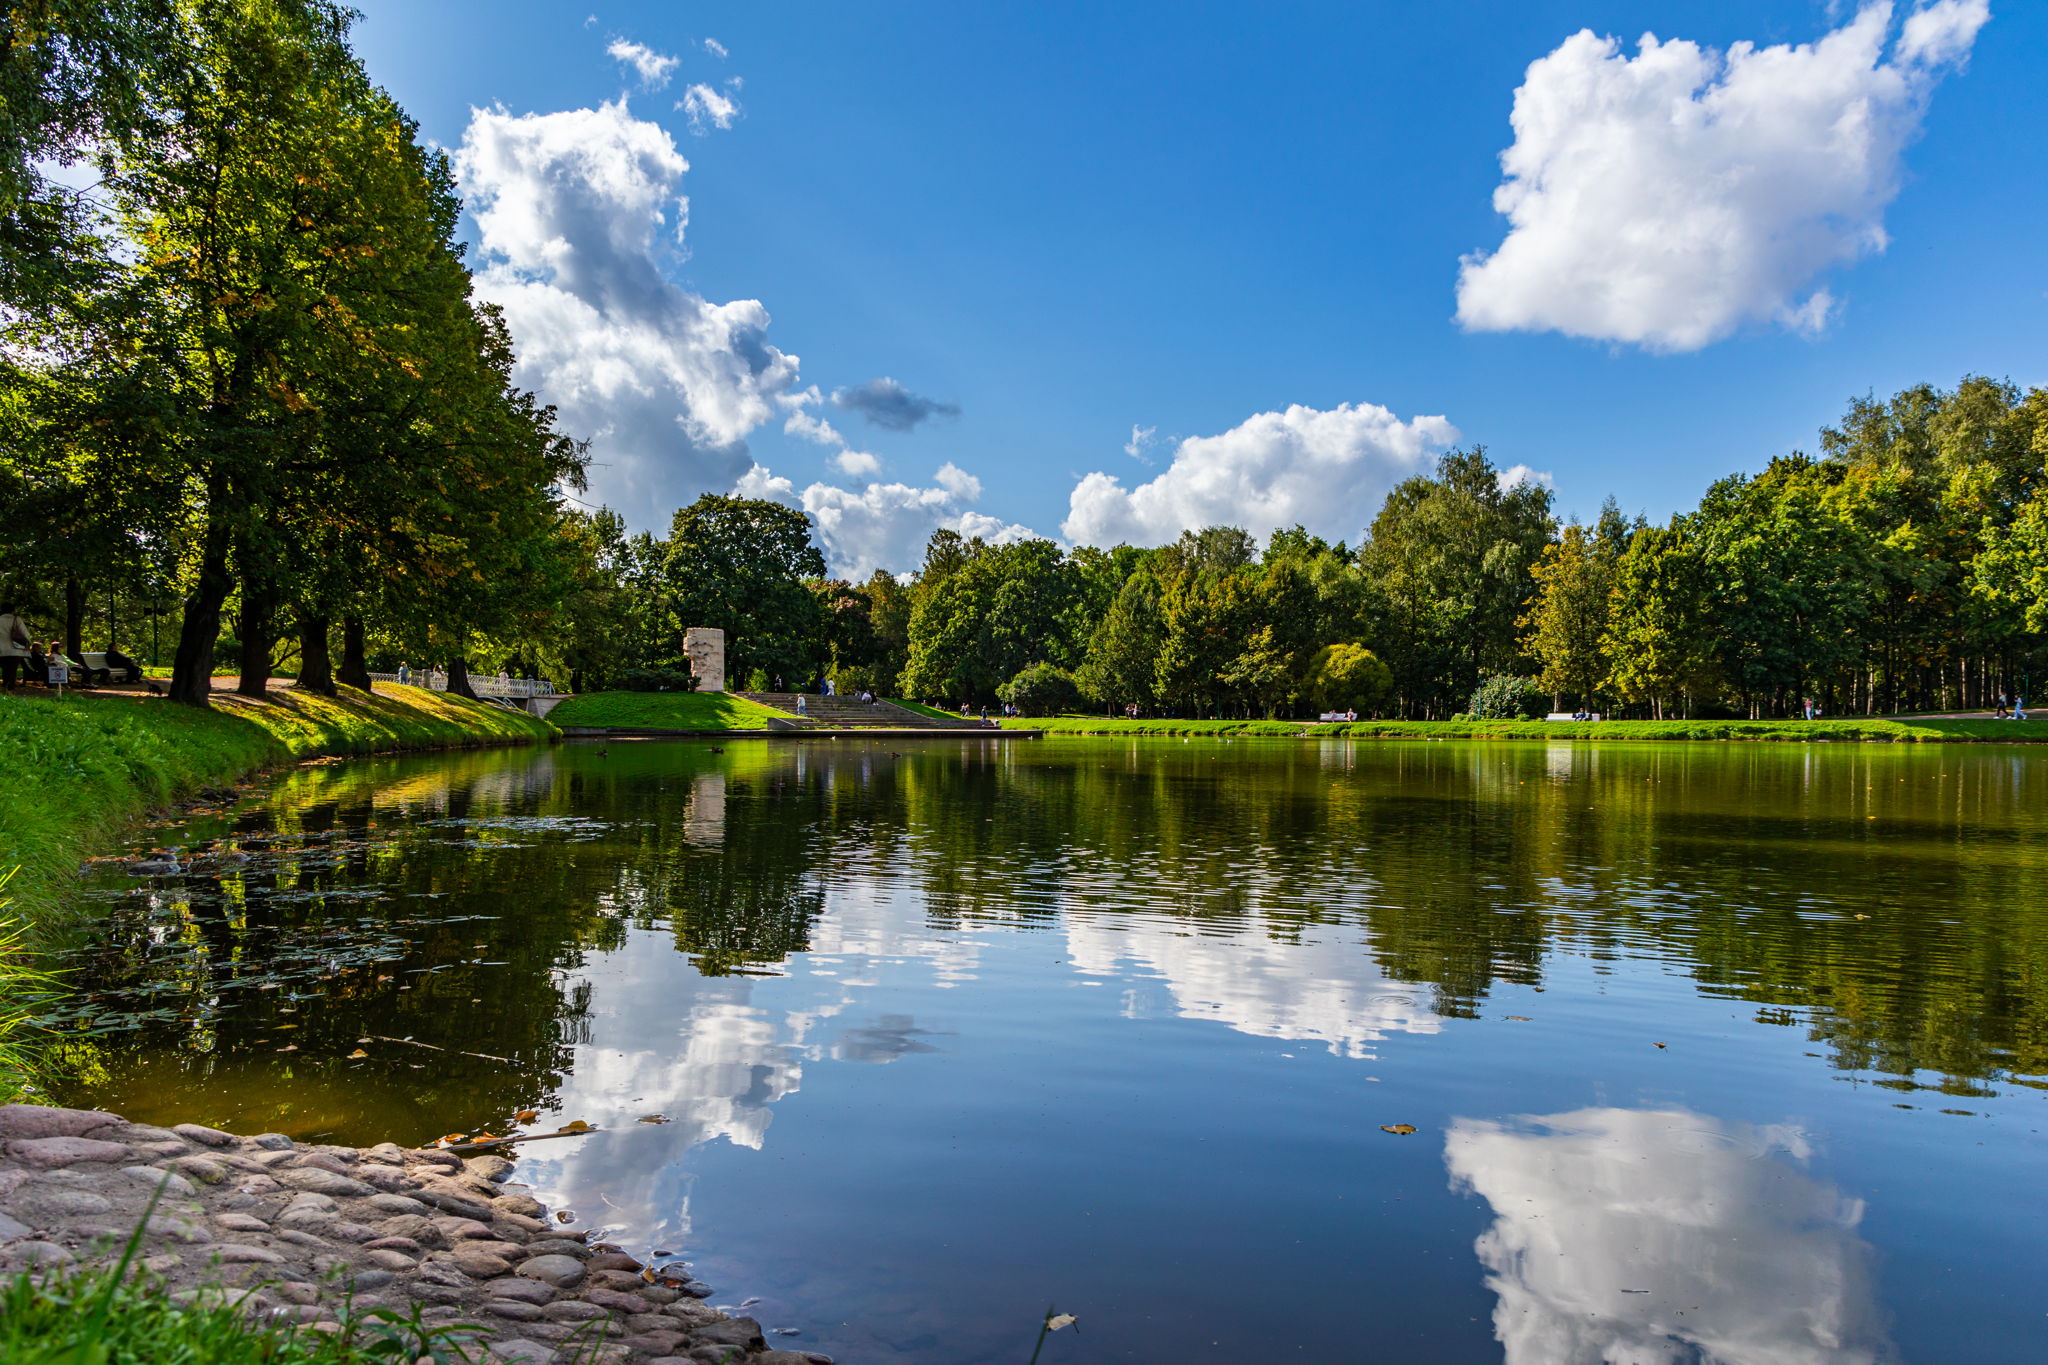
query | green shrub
[1502, 697]
[1041, 690]
[1347, 678]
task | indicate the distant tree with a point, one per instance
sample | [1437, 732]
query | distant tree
[1565, 628]
[1041, 690]
[1656, 634]
[1344, 677]
[1122, 655]
[740, 564]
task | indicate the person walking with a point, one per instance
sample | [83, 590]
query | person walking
[404, 674]
[14, 647]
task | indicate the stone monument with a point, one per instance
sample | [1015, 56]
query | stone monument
[706, 647]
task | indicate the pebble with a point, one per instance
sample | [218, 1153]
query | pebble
[152, 1178]
[526, 1291]
[385, 1259]
[396, 1204]
[241, 1222]
[48, 1153]
[272, 1142]
[572, 1310]
[27, 1122]
[204, 1136]
[234, 1253]
[514, 1309]
[322, 1181]
[563, 1272]
[203, 1169]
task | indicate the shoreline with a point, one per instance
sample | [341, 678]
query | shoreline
[317, 1236]
[1844, 730]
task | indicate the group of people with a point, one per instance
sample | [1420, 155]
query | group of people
[2012, 707]
[24, 659]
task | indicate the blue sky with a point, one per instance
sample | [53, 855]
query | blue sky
[1070, 220]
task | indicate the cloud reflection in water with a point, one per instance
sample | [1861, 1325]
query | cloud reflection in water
[1664, 1237]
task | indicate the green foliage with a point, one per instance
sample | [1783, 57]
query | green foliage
[1854, 730]
[1504, 697]
[1348, 677]
[740, 564]
[1041, 690]
[1565, 629]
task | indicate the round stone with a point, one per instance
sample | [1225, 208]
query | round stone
[322, 1181]
[51, 1152]
[27, 1121]
[150, 1178]
[563, 1272]
[204, 1136]
[272, 1142]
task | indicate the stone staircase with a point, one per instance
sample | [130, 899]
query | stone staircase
[850, 713]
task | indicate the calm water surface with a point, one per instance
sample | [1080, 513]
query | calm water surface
[1714, 1053]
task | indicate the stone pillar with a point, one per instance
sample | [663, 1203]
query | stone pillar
[706, 647]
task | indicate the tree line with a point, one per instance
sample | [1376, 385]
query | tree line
[1905, 567]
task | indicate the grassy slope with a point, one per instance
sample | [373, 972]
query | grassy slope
[77, 769]
[934, 712]
[665, 711]
[1847, 729]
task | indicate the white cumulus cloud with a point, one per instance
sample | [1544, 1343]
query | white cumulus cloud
[572, 210]
[1667, 199]
[857, 463]
[884, 525]
[1515, 475]
[654, 68]
[1325, 470]
[715, 48]
[706, 106]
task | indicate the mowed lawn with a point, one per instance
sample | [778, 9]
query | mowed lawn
[665, 711]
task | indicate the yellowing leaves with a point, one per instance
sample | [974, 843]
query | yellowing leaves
[1397, 1129]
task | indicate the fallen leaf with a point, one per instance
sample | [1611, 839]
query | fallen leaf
[1063, 1320]
[1663, 1045]
[526, 1116]
[289, 1047]
[484, 1137]
[1521, 1018]
[654, 1118]
[357, 1053]
[565, 1216]
[452, 1137]
[579, 1126]
[647, 1275]
[1397, 1129]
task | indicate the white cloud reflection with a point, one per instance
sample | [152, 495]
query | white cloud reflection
[1664, 1237]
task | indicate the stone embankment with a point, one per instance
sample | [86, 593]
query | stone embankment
[314, 1233]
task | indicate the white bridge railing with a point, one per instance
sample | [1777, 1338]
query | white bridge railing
[485, 685]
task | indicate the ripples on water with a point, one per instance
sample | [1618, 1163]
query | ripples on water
[939, 1036]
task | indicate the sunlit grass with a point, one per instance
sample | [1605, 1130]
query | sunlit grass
[665, 711]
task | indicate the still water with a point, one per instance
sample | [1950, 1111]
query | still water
[1713, 1053]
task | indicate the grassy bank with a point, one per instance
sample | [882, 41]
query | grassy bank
[665, 711]
[80, 768]
[1845, 730]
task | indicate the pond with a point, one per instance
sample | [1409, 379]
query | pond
[1714, 1052]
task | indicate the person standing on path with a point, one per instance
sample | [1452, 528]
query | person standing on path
[14, 647]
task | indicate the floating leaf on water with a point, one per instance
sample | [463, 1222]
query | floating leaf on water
[1054, 1323]
[1397, 1129]
[357, 1053]
[576, 1126]
[1521, 1018]
[446, 1139]
[1663, 1045]
[654, 1118]
[565, 1216]
[289, 1047]
[526, 1116]
[647, 1275]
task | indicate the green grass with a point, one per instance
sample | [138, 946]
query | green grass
[114, 1316]
[665, 711]
[1848, 729]
[934, 712]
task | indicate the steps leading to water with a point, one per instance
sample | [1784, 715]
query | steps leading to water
[851, 713]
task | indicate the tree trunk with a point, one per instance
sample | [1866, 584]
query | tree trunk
[74, 617]
[316, 669]
[257, 628]
[199, 631]
[458, 678]
[354, 671]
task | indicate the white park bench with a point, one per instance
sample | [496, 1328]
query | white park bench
[1567, 715]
